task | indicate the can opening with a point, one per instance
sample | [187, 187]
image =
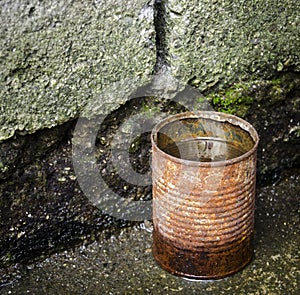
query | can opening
[204, 139]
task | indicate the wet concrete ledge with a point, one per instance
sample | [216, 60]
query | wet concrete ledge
[123, 263]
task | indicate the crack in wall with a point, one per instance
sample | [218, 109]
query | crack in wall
[160, 29]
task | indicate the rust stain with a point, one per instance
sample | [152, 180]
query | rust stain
[203, 167]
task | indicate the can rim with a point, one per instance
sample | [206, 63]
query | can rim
[211, 115]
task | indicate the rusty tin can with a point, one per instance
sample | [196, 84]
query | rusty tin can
[203, 171]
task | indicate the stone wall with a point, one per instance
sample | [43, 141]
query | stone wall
[56, 55]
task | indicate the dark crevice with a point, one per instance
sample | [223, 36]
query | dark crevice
[160, 29]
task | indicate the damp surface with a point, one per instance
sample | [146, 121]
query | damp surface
[123, 264]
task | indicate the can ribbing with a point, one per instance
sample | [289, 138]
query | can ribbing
[203, 200]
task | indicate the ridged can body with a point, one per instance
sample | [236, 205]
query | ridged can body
[203, 170]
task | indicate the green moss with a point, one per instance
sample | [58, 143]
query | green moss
[280, 87]
[235, 100]
[241, 96]
[201, 100]
[148, 108]
[136, 144]
[6, 259]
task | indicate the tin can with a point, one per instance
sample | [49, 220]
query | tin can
[203, 174]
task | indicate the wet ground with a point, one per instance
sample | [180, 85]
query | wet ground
[123, 263]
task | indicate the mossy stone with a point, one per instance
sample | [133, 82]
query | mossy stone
[55, 56]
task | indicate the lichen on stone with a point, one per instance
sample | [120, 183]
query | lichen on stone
[241, 97]
[217, 43]
[57, 55]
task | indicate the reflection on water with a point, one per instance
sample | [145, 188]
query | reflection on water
[204, 149]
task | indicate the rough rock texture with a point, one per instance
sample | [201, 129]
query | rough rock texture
[215, 43]
[55, 55]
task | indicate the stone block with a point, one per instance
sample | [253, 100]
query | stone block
[216, 43]
[57, 55]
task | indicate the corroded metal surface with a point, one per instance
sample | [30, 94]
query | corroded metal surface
[203, 169]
